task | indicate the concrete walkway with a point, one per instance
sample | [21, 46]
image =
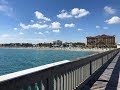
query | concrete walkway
[110, 78]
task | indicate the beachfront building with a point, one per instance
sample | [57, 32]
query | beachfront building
[101, 41]
[78, 44]
[118, 45]
[57, 43]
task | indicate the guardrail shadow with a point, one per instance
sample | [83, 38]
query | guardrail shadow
[114, 79]
[95, 76]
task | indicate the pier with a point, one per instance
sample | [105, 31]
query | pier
[98, 71]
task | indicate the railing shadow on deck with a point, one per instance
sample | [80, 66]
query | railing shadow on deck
[114, 79]
[60, 76]
[94, 77]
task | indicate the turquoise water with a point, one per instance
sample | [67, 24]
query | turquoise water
[12, 60]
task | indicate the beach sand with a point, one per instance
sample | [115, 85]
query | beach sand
[98, 50]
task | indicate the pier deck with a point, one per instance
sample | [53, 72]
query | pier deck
[110, 78]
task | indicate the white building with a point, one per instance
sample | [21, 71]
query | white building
[57, 43]
[118, 45]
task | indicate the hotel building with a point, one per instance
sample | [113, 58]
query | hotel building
[101, 41]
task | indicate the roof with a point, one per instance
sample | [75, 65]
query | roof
[103, 35]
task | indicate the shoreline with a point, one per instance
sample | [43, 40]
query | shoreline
[97, 50]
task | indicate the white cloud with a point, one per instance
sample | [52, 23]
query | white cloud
[44, 21]
[76, 13]
[39, 15]
[15, 28]
[98, 27]
[113, 20]
[79, 29]
[69, 25]
[63, 11]
[46, 31]
[55, 25]
[5, 8]
[5, 35]
[32, 21]
[64, 14]
[35, 33]
[40, 22]
[40, 33]
[37, 26]
[21, 33]
[109, 10]
[105, 28]
[24, 26]
[56, 31]
[3, 2]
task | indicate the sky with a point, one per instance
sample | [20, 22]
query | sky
[35, 21]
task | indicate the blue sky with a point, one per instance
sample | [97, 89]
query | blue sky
[37, 21]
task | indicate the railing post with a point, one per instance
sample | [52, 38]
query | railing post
[55, 82]
[51, 83]
[39, 85]
[58, 82]
[67, 74]
[90, 67]
[33, 86]
[45, 84]
[102, 60]
[61, 83]
[72, 79]
[64, 78]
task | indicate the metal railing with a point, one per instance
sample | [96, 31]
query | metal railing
[65, 75]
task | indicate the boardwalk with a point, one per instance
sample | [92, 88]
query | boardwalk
[110, 78]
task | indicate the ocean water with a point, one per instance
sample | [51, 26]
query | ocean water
[12, 60]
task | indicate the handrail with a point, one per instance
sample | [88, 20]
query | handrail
[29, 71]
[64, 75]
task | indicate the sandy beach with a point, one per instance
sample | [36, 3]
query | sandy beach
[77, 49]
[98, 50]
